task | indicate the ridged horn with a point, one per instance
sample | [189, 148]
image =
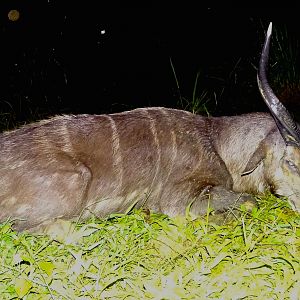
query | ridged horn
[285, 123]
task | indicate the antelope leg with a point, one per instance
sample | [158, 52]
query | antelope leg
[220, 200]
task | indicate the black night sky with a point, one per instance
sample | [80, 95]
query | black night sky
[60, 57]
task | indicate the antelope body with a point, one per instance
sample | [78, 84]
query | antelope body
[159, 158]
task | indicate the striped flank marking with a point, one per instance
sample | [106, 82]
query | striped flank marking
[174, 145]
[116, 153]
[156, 142]
[67, 143]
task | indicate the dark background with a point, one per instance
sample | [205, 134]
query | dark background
[55, 58]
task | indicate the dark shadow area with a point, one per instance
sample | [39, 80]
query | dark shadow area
[59, 57]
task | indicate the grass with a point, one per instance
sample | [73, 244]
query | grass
[198, 103]
[152, 256]
[285, 57]
[230, 88]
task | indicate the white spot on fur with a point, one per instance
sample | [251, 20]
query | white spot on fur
[22, 209]
[9, 202]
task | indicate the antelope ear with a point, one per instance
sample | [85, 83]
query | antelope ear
[254, 161]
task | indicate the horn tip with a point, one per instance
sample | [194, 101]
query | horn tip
[269, 32]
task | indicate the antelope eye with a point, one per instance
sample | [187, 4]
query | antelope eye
[292, 165]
